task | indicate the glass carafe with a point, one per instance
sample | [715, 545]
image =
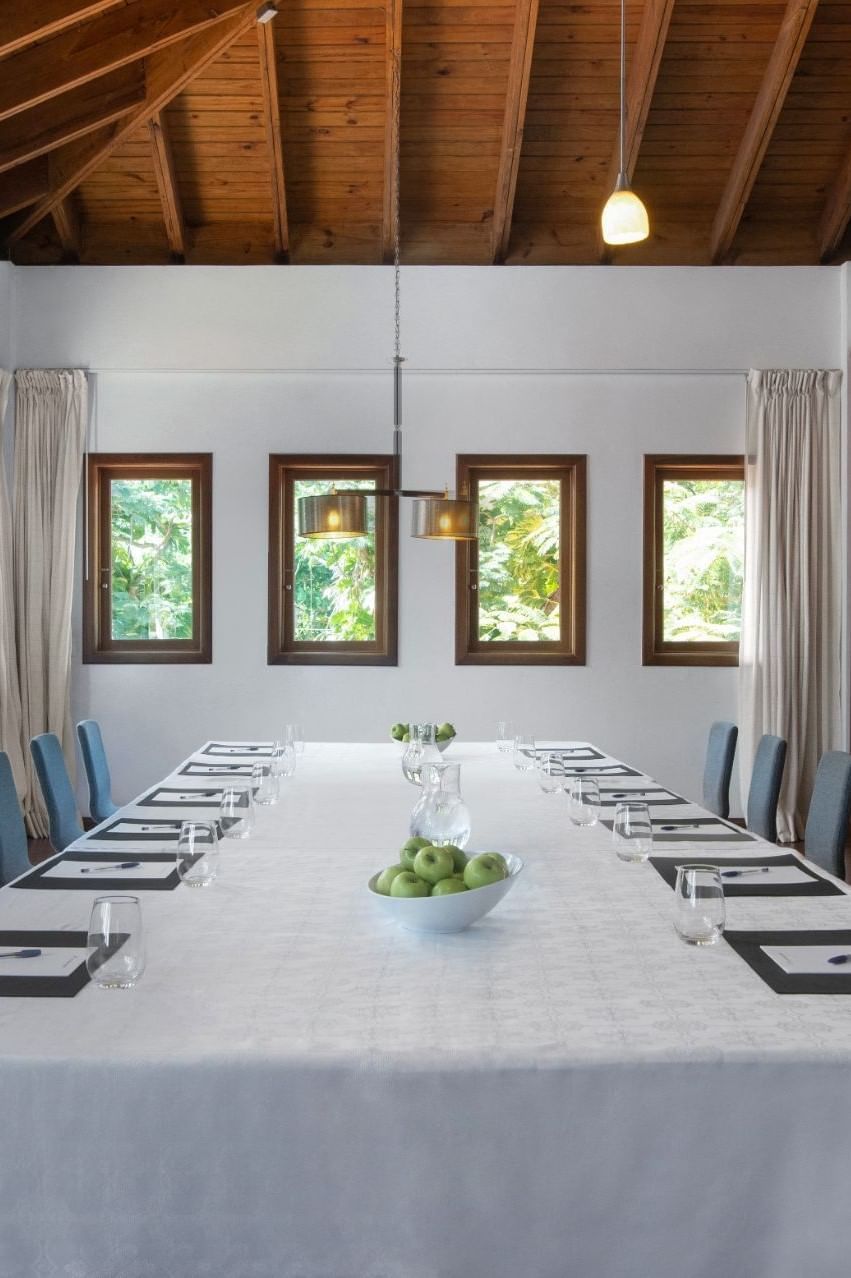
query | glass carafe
[420, 749]
[441, 815]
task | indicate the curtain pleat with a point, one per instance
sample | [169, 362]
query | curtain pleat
[10, 699]
[790, 652]
[50, 430]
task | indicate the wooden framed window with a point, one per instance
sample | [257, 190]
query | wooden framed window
[694, 542]
[332, 603]
[148, 593]
[520, 589]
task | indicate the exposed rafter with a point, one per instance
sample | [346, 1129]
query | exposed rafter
[24, 185]
[67, 222]
[392, 112]
[167, 185]
[837, 212]
[168, 72]
[520, 66]
[272, 121]
[105, 43]
[645, 60]
[784, 59]
[23, 24]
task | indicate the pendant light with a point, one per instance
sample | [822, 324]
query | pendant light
[342, 514]
[625, 219]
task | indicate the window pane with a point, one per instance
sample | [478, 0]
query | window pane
[519, 534]
[703, 548]
[151, 559]
[334, 580]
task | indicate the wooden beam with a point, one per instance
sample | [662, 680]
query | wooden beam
[785, 55]
[73, 115]
[519, 68]
[837, 212]
[645, 60]
[272, 121]
[167, 186]
[23, 24]
[392, 111]
[105, 43]
[168, 72]
[67, 222]
[24, 185]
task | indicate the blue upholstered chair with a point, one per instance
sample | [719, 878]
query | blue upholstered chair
[14, 858]
[827, 819]
[719, 768]
[766, 780]
[97, 770]
[57, 790]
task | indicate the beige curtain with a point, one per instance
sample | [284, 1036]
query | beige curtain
[51, 412]
[10, 698]
[790, 655]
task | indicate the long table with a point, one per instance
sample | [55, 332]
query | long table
[298, 1089]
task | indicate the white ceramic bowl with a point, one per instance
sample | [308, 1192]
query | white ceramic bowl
[453, 913]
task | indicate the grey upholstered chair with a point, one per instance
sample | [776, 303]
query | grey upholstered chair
[827, 819]
[766, 780]
[14, 857]
[719, 768]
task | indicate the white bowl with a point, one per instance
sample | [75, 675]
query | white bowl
[452, 913]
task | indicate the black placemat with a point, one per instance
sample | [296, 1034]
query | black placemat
[667, 867]
[221, 770]
[702, 830]
[124, 882]
[748, 945]
[44, 986]
[262, 749]
[596, 770]
[139, 833]
[654, 797]
[202, 798]
[568, 754]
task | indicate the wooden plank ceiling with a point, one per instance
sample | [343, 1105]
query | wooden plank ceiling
[150, 131]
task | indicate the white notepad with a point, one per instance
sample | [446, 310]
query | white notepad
[55, 961]
[776, 874]
[106, 870]
[809, 960]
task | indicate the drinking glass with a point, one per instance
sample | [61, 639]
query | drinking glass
[632, 833]
[699, 909]
[283, 760]
[504, 736]
[266, 783]
[549, 773]
[294, 736]
[116, 942]
[524, 753]
[197, 853]
[583, 801]
[236, 813]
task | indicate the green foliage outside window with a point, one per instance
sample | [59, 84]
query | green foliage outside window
[151, 527]
[519, 583]
[703, 546]
[334, 580]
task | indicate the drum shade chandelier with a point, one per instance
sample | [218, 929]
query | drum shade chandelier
[625, 219]
[343, 514]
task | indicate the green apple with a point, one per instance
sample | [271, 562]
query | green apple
[406, 736]
[407, 884]
[434, 864]
[385, 879]
[410, 850]
[398, 731]
[448, 887]
[457, 856]
[445, 732]
[486, 868]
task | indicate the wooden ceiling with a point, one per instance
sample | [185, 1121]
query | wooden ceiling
[149, 131]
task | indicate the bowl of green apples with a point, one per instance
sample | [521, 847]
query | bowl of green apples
[444, 734]
[440, 889]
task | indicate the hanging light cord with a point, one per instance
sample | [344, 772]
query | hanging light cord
[623, 86]
[396, 89]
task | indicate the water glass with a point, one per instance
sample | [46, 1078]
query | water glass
[525, 758]
[583, 801]
[266, 784]
[549, 773]
[283, 760]
[236, 813]
[504, 736]
[294, 736]
[699, 908]
[116, 942]
[632, 832]
[197, 853]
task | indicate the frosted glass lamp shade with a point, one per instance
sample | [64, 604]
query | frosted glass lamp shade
[625, 219]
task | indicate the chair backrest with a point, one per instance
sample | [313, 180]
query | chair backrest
[719, 768]
[14, 857]
[827, 819]
[766, 780]
[97, 770]
[57, 790]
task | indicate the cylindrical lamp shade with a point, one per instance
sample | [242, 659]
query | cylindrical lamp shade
[444, 519]
[625, 219]
[333, 516]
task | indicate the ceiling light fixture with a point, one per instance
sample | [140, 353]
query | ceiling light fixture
[343, 514]
[625, 219]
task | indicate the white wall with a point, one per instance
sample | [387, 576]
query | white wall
[484, 349]
[6, 270]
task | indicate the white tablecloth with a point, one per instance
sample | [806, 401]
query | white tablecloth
[297, 1089]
